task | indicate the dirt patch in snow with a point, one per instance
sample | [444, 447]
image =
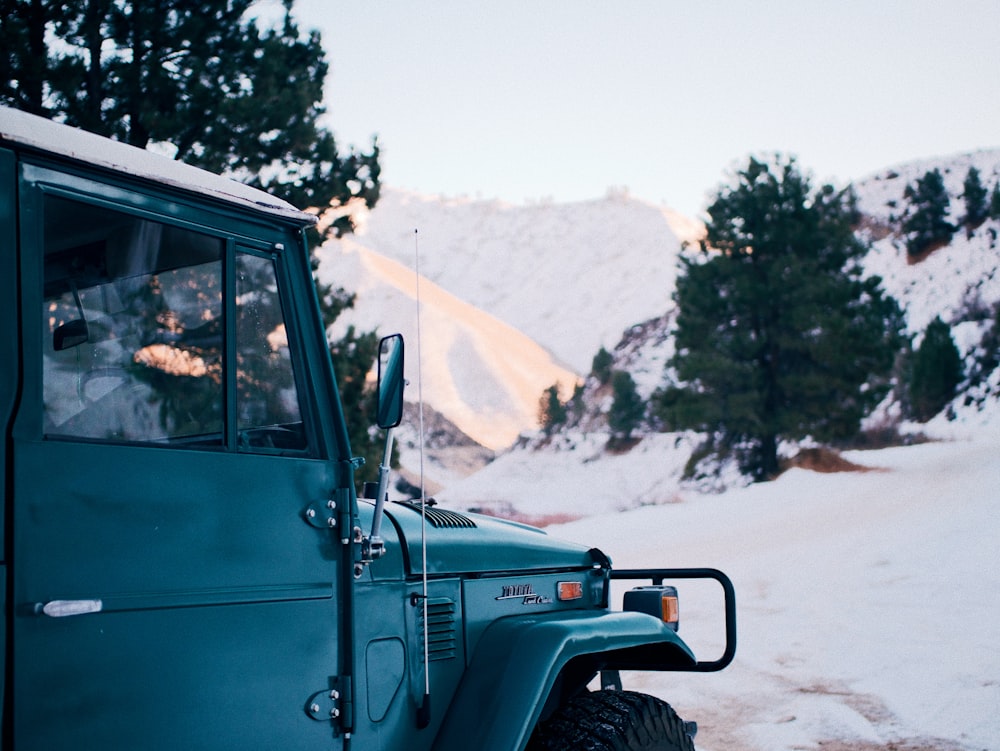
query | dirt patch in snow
[824, 460]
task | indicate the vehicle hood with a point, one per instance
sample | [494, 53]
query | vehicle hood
[459, 543]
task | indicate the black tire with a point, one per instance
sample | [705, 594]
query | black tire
[612, 721]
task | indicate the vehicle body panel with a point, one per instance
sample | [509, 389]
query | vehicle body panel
[494, 544]
[209, 595]
[10, 372]
[518, 659]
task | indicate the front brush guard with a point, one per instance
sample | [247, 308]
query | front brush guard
[658, 575]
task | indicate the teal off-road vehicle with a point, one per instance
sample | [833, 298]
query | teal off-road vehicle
[185, 563]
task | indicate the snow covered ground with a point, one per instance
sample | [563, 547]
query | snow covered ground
[867, 601]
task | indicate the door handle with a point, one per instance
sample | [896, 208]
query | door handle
[64, 608]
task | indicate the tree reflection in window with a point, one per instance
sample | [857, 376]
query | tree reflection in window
[135, 335]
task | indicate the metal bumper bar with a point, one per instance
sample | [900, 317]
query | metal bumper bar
[659, 575]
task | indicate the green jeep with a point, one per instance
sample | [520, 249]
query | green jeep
[185, 562]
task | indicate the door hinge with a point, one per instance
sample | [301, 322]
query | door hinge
[322, 515]
[333, 705]
[332, 513]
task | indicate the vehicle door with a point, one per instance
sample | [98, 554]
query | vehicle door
[169, 590]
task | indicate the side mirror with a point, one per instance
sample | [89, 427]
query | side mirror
[70, 334]
[390, 381]
[390, 414]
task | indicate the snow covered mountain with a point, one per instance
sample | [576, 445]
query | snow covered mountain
[515, 299]
[570, 276]
[953, 282]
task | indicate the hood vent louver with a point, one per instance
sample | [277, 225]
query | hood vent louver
[440, 518]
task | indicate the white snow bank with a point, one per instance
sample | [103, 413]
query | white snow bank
[576, 478]
[867, 601]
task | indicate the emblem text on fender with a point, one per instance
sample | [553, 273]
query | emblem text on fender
[524, 592]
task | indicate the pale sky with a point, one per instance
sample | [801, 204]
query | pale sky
[564, 99]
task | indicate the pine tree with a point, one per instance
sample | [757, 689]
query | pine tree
[600, 368]
[228, 95]
[23, 54]
[551, 411]
[994, 209]
[779, 336]
[927, 224]
[975, 195]
[353, 355]
[936, 372]
[627, 408]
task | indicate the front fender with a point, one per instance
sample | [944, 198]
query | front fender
[518, 659]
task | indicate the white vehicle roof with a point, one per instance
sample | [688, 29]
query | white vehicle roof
[40, 134]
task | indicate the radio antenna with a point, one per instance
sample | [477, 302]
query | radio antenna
[420, 388]
[424, 712]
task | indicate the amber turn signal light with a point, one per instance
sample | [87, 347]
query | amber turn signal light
[569, 591]
[658, 601]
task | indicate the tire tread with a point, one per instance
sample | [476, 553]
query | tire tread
[613, 721]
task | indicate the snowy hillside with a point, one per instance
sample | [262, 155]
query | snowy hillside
[513, 299]
[953, 281]
[482, 373]
[516, 298]
[570, 276]
[959, 282]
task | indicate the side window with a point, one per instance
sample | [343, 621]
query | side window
[133, 313]
[135, 331]
[268, 411]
